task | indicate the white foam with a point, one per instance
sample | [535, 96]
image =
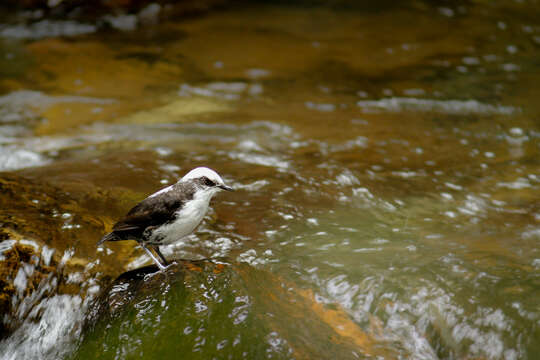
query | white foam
[12, 158]
[50, 324]
[6, 245]
[258, 159]
[254, 186]
[21, 281]
[52, 337]
[322, 107]
[46, 28]
[22, 98]
[453, 107]
[347, 178]
[221, 90]
[520, 183]
[122, 22]
[250, 257]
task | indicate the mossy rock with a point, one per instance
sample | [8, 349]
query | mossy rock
[216, 309]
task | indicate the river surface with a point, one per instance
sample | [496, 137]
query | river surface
[386, 162]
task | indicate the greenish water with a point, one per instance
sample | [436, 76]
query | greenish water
[387, 168]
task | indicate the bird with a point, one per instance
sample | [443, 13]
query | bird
[169, 214]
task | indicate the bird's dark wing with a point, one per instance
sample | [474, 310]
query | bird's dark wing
[151, 212]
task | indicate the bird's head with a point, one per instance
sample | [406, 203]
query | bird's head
[206, 180]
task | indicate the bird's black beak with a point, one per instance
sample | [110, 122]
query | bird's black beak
[225, 187]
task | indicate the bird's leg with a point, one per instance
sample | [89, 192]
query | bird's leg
[160, 266]
[156, 249]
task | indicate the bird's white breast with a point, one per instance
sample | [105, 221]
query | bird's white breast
[187, 219]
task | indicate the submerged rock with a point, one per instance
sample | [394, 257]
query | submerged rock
[216, 309]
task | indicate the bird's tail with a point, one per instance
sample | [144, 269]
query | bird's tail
[109, 237]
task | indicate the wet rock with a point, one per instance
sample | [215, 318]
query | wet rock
[39, 257]
[216, 309]
[61, 210]
[28, 209]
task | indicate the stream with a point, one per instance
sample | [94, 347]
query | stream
[386, 166]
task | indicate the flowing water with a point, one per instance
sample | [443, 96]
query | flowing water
[387, 169]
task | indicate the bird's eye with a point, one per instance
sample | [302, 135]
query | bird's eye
[208, 182]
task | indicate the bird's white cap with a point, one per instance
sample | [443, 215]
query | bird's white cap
[203, 171]
[209, 173]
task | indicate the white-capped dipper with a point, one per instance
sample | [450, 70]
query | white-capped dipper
[170, 214]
